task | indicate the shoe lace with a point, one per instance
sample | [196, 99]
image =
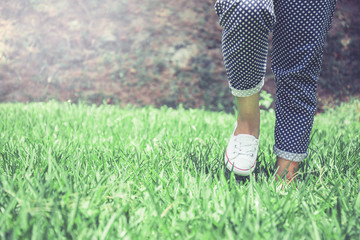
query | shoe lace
[241, 148]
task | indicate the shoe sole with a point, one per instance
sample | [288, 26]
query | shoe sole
[236, 170]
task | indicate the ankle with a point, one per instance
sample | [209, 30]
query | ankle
[248, 120]
[248, 126]
[286, 169]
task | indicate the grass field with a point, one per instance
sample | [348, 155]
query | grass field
[87, 172]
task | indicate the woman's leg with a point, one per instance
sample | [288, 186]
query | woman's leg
[298, 40]
[246, 25]
[248, 120]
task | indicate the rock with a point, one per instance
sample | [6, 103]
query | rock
[182, 56]
[189, 16]
[108, 37]
[140, 40]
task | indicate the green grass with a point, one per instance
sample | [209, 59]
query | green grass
[86, 172]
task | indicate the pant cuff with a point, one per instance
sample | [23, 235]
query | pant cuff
[296, 157]
[247, 92]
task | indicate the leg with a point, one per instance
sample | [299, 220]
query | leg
[298, 40]
[246, 25]
[249, 115]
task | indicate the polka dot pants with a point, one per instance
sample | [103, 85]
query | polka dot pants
[299, 30]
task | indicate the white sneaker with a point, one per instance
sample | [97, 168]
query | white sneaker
[241, 153]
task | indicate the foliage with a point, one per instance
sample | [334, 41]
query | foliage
[84, 172]
[265, 99]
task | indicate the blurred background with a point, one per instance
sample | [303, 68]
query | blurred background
[144, 52]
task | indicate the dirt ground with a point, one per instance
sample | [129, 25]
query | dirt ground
[140, 52]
